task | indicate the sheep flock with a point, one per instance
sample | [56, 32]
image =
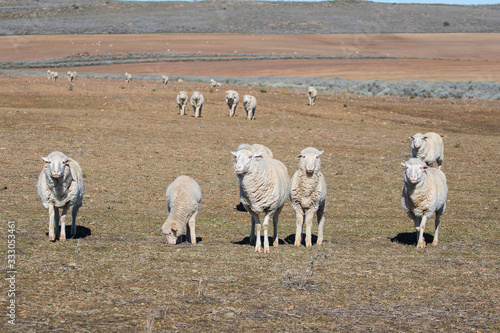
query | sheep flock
[264, 183]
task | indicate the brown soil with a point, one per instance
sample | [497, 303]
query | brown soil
[433, 57]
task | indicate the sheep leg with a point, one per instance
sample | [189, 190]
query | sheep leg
[252, 231]
[258, 247]
[275, 226]
[416, 222]
[421, 241]
[440, 162]
[74, 213]
[63, 224]
[321, 223]
[299, 217]
[191, 227]
[309, 218]
[437, 223]
[265, 226]
[52, 222]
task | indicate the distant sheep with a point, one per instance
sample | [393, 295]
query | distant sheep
[128, 77]
[264, 189]
[71, 76]
[308, 194]
[182, 100]
[428, 147]
[197, 103]
[49, 75]
[424, 193]
[164, 79]
[250, 104]
[183, 200]
[312, 93]
[55, 75]
[60, 185]
[232, 100]
[213, 83]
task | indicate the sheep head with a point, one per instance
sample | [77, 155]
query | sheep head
[414, 170]
[309, 160]
[56, 163]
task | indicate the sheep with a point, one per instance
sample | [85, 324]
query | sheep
[165, 80]
[250, 104]
[71, 76]
[308, 194]
[60, 185]
[183, 200]
[232, 100]
[128, 77]
[55, 76]
[213, 83]
[312, 93]
[428, 147]
[182, 100]
[264, 187]
[218, 84]
[424, 192]
[49, 75]
[197, 103]
[180, 80]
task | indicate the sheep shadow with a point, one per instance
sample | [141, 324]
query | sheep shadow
[291, 239]
[411, 238]
[81, 232]
[246, 241]
[184, 239]
[240, 208]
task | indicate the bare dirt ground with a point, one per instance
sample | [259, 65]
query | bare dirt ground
[432, 57]
[118, 276]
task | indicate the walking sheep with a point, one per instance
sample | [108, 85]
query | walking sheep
[424, 193]
[232, 100]
[428, 147]
[164, 80]
[183, 200]
[128, 77]
[71, 76]
[49, 75]
[182, 100]
[312, 93]
[264, 187]
[308, 194]
[197, 103]
[60, 185]
[55, 75]
[250, 104]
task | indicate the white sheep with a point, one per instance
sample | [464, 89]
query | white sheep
[308, 194]
[197, 103]
[312, 93]
[264, 187]
[164, 79]
[60, 185]
[218, 84]
[232, 100]
[428, 147]
[128, 77]
[55, 75]
[183, 200]
[49, 75]
[250, 104]
[213, 83]
[182, 100]
[424, 193]
[71, 76]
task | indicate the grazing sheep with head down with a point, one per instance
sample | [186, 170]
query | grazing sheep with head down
[164, 79]
[424, 193]
[182, 100]
[250, 104]
[312, 93]
[60, 185]
[308, 194]
[264, 188]
[183, 200]
[232, 100]
[197, 103]
[428, 147]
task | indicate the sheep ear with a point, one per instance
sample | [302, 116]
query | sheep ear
[258, 154]
[403, 164]
[67, 161]
[45, 159]
[299, 156]
[410, 138]
[321, 152]
[424, 138]
[234, 153]
[173, 226]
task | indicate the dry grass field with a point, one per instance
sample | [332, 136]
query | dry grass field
[119, 276]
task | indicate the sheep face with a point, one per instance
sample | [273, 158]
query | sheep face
[417, 140]
[414, 170]
[309, 160]
[170, 230]
[243, 160]
[56, 164]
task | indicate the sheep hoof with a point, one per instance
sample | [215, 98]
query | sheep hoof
[421, 245]
[297, 244]
[276, 243]
[258, 249]
[266, 250]
[435, 242]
